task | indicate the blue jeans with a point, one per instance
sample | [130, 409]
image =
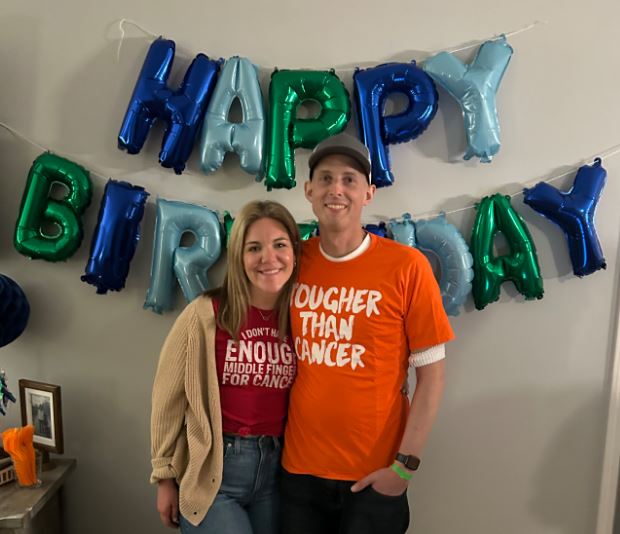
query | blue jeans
[247, 502]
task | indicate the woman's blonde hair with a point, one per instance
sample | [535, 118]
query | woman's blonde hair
[234, 295]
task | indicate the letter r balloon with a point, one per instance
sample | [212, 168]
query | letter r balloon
[170, 259]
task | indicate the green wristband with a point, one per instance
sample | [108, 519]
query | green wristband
[401, 472]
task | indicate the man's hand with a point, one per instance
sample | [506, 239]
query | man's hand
[168, 502]
[383, 481]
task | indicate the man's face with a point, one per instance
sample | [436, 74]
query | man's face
[338, 191]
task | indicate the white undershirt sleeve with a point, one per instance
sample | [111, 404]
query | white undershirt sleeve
[428, 356]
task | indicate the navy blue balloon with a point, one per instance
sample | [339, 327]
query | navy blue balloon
[574, 213]
[182, 110]
[116, 236]
[14, 310]
[372, 88]
[377, 229]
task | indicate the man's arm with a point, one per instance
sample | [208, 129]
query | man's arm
[424, 406]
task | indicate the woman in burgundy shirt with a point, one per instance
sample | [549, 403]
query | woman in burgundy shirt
[255, 364]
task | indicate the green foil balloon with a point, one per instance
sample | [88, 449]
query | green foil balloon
[495, 214]
[307, 230]
[39, 210]
[228, 222]
[286, 132]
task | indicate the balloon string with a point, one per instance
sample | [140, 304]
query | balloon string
[121, 27]
[495, 37]
[608, 153]
[41, 147]
[474, 44]
[22, 136]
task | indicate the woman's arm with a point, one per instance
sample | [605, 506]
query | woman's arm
[169, 401]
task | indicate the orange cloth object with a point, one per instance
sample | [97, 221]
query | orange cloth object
[354, 324]
[18, 443]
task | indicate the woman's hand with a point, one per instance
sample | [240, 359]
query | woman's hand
[168, 502]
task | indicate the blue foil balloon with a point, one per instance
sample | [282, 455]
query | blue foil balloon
[475, 86]
[238, 79]
[372, 88]
[182, 110]
[403, 231]
[189, 264]
[14, 310]
[455, 261]
[377, 229]
[116, 236]
[574, 212]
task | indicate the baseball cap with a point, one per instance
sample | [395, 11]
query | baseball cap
[344, 144]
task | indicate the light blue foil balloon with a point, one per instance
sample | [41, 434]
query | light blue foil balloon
[455, 261]
[189, 264]
[237, 80]
[403, 231]
[474, 86]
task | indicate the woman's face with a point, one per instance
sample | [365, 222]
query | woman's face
[268, 260]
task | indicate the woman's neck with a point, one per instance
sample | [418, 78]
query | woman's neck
[262, 300]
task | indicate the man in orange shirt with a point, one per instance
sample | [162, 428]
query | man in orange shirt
[363, 308]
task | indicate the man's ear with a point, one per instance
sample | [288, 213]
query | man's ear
[370, 193]
[308, 190]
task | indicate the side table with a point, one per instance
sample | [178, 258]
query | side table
[35, 511]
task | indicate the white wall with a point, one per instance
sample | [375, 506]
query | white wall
[518, 444]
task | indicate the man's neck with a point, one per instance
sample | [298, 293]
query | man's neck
[339, 244]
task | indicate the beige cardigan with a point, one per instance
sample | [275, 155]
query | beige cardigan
[186, 418]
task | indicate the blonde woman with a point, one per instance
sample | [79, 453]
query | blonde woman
[220, 394]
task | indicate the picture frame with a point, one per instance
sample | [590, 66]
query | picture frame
[41, 407]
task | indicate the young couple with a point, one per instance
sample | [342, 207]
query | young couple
[361, 309]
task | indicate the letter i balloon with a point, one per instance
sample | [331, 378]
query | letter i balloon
[116, 236]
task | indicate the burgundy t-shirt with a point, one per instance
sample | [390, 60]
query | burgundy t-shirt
[255, 375]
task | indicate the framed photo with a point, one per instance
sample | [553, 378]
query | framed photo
[40, 404]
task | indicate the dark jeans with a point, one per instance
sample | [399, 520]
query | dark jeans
[247, 502]
[312, 505]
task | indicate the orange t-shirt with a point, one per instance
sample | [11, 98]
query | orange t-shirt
[354, 324]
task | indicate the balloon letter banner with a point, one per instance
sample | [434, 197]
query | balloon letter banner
[116, 236]
[574, 213]
[288, 89]
[237, 80]
[189, 264]
[372, 88]
[182, 110]
[14, 310]
[475, 86]
[495, 214]
[38, 209]
[455, 261]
